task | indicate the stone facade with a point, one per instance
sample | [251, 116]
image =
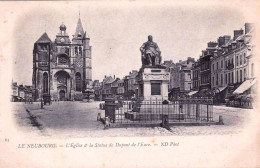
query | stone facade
[62, 69]
[153, 84]
[180, 77]
[229, 62]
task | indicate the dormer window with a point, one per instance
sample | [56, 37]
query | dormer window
[79, 35]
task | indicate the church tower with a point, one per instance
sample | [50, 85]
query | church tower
[62, 69]
[82, 54]
[41, 66]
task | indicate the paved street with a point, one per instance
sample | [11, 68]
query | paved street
[78, 119]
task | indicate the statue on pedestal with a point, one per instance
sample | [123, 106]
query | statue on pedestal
[151, 54]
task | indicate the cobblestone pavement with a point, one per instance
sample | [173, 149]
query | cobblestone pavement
[78, 119]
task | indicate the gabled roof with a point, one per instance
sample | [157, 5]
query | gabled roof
[108, 79]
[44, 39]
[111, 81]
[133, 74]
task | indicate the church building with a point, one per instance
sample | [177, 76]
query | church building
[62, 69]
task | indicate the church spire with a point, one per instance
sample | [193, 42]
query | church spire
[79, 30]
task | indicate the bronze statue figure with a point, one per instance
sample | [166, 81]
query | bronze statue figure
[151, 54]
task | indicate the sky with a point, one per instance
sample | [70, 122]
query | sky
[117, 33]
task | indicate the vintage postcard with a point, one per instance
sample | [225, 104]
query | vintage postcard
[129, 84]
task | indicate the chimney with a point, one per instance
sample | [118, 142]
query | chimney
[114, 76]
[222, 40]
[248, 27]
[212, 44]
[105, 76]
[238, 33]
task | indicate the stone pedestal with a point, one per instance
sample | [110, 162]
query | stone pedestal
[153, 83]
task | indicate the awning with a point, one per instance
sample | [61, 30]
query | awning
[245, 86]
[220, 89]
[192, 93]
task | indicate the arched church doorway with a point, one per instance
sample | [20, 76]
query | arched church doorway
[62, 85]
[62, 95]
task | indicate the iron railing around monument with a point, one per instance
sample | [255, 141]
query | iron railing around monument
[184, 110]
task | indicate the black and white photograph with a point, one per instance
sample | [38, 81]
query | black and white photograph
[99, 82]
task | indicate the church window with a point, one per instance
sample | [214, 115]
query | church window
[80, 51]
[44, 47]
[45, 82]
[76, 50]
[62, 60]
[78, 81]
[67, 51]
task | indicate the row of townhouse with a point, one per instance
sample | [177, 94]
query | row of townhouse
[21, 93]
[112, 87]
[226, 67]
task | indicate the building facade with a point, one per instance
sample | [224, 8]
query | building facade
[21, 93]
[97, 90]
[195, 76]
[121, 88]
[230, 64]
[131, 86]
[180, 77]
[62, 69]
[107, 87]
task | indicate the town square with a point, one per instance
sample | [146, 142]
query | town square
[131, 83]
[209, 93]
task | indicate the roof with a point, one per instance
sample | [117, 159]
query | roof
[111, 81]
[108, 79]
[44, 39]
[133, 74]
[228, 43]
[121, 81]
[79, 29]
